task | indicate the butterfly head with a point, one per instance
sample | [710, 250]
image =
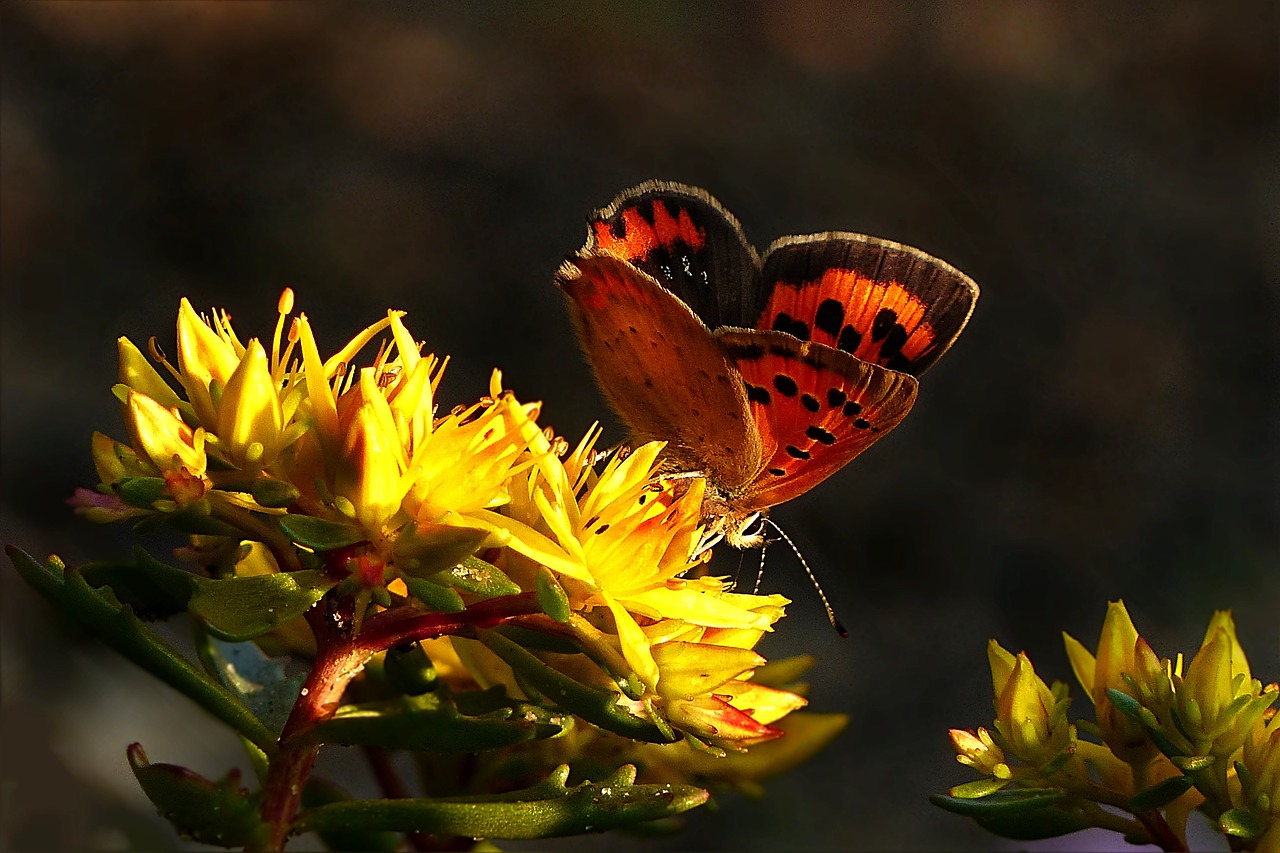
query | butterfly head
[738, 528]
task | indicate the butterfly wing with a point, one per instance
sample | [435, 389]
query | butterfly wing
[688, 243]
[661, 369]
[883, 302]
[816, 408]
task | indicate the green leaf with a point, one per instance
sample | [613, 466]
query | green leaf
[242, 608]
[1133, 708]
[1160, 794]
[977, 789]
[1125, 703]
[597, 707]
[119, 628]
[154, 590]
[546, 810]
[552, 597]
[140, 491]
[218, 813]
[319, 534]
[1192, 763]
[423, 550]
[320, 792]
[441, 599]
[541, 641]
[431, 723]
[1242, 823]
[477, 576]
[409, 669]
[1024, 814]
[197, 519]
[259, 681]
[276, 494]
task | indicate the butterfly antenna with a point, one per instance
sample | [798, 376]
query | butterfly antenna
[831, 614]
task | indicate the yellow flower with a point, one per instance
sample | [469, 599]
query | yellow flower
[461, 469]
[1217, 700]
[1261, 760]
[1029, 716]
[207, 357]
[164, 438]
[621, 540]
[979, 751]
[250, 424]
[1120, 652]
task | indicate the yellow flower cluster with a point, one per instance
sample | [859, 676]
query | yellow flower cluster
[1172, 739]
[255, 439]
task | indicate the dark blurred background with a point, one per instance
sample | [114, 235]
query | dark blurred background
[1106, 427]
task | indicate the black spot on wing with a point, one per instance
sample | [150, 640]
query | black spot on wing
[797, 453]
[885, 320]
[756, 394]
[836, 397]
[786, 323]
[830, 317]
[850, 339]
[785, 384]
[852, 409]
[810, 402]
[820, 435]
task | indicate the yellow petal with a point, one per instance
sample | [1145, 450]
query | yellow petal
[163, 436]
[137, 372]
[1082, 663]
[635, 645]
[204, 360]
[1222, 619]
[692, 668]
[1002, 663]
[371, 460]
[249, 417]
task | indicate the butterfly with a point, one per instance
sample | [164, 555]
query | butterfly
[765, 375]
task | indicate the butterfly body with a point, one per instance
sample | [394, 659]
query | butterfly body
[766, 376]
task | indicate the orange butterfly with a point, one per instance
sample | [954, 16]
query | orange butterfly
[765, 376]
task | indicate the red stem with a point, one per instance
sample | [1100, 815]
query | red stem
[1160, 831]
[340, 656]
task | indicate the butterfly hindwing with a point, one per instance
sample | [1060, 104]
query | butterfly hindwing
[661, 369]
[688, 243]
[878, 300]
[816, 408]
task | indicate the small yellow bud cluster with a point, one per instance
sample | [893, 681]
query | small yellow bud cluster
[1170, 741]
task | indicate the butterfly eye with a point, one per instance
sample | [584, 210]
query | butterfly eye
[752, 526]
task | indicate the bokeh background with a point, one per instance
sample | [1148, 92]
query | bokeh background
[1107, 427]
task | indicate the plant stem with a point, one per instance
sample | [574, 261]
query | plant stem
[1160, 831]
[340, 656]
[338, 660]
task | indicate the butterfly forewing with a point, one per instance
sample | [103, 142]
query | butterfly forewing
[689, 244]
[880, 301]
[661, 369]
[816, 409]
